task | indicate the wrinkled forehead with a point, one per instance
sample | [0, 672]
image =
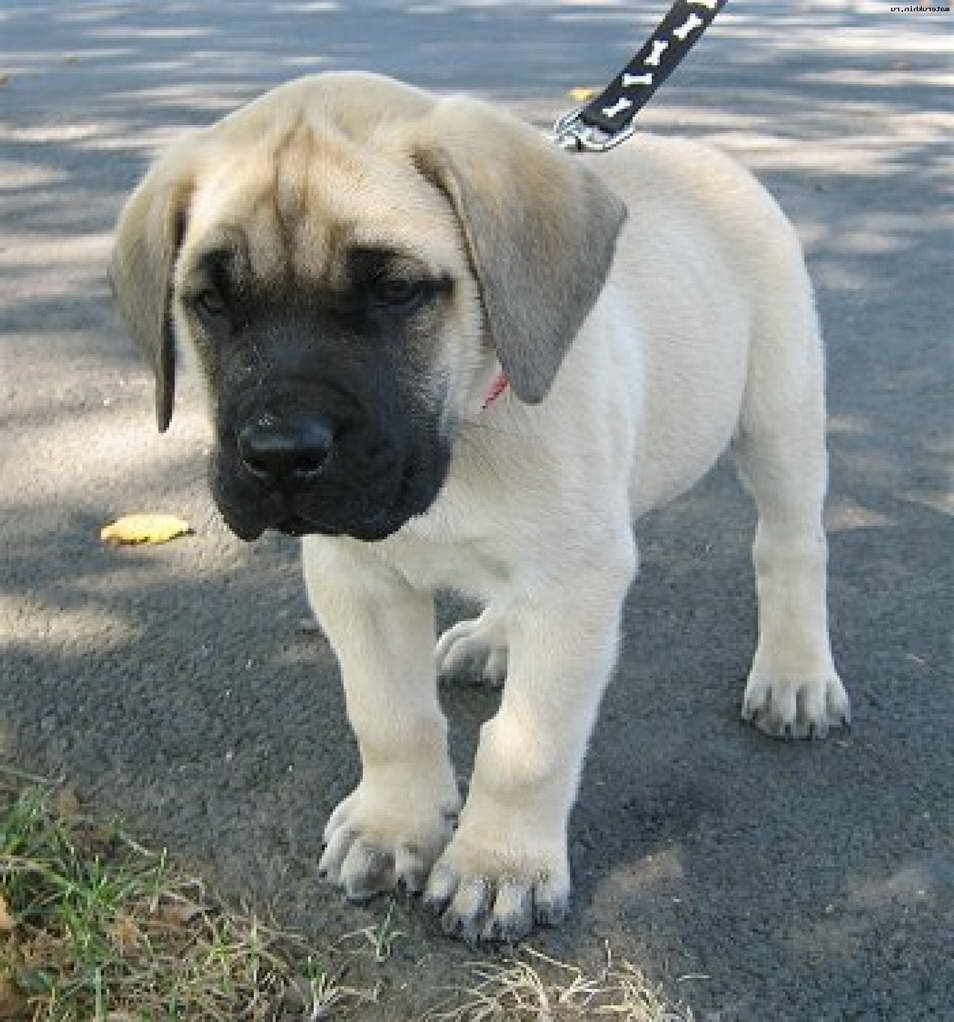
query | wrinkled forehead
[297, 207]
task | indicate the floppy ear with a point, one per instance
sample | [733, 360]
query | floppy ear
[541, 229]
[148, 236]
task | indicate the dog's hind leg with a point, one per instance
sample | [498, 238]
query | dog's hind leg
[477, 647]
[793, 689]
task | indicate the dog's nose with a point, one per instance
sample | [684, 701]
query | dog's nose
[287, 453]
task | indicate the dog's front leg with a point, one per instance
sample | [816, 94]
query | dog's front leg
[507, 865]
[393, 826]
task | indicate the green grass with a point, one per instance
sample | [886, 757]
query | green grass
[95, 927]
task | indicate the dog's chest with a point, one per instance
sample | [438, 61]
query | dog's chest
[457, 545]
[467, 567]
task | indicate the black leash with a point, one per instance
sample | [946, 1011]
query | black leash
[608, 120]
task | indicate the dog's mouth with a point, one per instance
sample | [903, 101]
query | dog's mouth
[355, 493]
[249, 513]
[250, 526]
[296, 525]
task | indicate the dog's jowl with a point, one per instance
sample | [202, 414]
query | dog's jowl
[448, 354]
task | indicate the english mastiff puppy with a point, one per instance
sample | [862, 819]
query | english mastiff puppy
[448, 354]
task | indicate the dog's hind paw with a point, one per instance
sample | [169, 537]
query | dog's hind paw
[475, 649]
[796, 708]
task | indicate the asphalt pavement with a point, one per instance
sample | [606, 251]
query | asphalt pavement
[753, 879]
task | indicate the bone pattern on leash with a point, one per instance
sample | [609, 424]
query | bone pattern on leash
[659, 48]
[618, 107]
[691, 23]
[608, 119]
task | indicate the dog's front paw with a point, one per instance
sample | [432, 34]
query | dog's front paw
[485, 893]
[475, 648]
[796, 708]
[381, 836]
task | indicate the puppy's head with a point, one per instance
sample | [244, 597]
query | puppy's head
[350, 258]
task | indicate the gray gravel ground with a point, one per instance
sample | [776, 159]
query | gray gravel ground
[754, 879]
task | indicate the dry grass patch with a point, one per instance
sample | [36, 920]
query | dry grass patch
[533, 987]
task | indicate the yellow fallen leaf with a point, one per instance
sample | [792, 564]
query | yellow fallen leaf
[583, 94]
[144, 528]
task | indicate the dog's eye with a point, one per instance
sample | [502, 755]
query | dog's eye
[398, 292]
[209, 305]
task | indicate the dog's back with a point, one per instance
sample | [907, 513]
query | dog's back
[711, 275]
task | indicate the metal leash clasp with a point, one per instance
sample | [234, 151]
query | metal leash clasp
[572, 133]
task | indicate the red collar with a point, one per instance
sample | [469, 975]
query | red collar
[497, 387]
